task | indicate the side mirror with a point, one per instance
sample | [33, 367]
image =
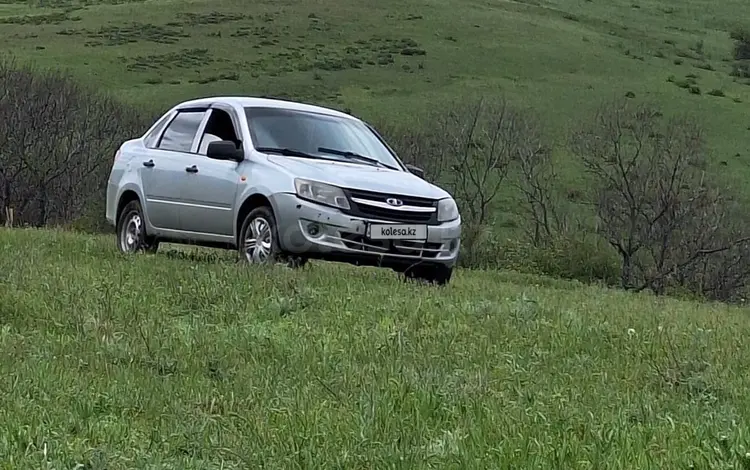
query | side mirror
[415, 170]
[224, 150]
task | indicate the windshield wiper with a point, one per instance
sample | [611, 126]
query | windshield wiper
[355, 156]
[287, 152]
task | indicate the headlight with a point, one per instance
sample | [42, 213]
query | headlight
[447, 210]
[321, 193]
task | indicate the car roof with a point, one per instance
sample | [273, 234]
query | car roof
[256, 102]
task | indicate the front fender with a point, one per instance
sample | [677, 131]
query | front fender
[251, 192]
[265, 179]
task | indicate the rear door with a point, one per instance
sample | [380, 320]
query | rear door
[164, 167]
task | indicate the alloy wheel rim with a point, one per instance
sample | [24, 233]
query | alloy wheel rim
[258, 241]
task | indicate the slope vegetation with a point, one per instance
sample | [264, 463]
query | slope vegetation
[180, 360]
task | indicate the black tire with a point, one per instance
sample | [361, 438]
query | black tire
[259, 223]
[432, 274]
[297, 262]
[131, 231]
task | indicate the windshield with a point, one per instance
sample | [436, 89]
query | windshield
[317, 134]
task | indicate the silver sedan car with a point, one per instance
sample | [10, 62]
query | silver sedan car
[280, 181]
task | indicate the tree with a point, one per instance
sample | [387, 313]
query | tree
[652, 199]
[535, 184]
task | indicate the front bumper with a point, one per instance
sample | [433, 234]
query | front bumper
[317, 231]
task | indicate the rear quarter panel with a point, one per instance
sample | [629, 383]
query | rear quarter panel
[124, 176]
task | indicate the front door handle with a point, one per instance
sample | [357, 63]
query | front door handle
[149, 164]
[192, 169]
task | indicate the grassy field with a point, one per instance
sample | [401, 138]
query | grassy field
[180, 361]
[393, 59]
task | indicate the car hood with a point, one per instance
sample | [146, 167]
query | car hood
[359, 176]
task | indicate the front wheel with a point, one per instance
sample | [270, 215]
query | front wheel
[258, 243]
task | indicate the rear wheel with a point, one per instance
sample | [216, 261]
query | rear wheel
[131, 231]
[296, 261]
[432, 274]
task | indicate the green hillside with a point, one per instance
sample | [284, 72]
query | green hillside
[391, 60]
[180, 361]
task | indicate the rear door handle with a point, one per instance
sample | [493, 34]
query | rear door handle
[149, 164]
[192, 169]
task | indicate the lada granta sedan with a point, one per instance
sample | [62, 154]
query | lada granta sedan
[280, 181]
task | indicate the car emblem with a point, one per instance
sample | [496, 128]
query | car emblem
[394, 202]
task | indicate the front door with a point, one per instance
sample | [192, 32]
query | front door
[207, 196]
[209, 188]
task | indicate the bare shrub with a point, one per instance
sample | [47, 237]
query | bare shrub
[741, 38]
[722, 272]
[536, 184]
[480, 137]
[57, 139]
[652, 199]
[418, 144]
[470, 147]
[741, 52]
